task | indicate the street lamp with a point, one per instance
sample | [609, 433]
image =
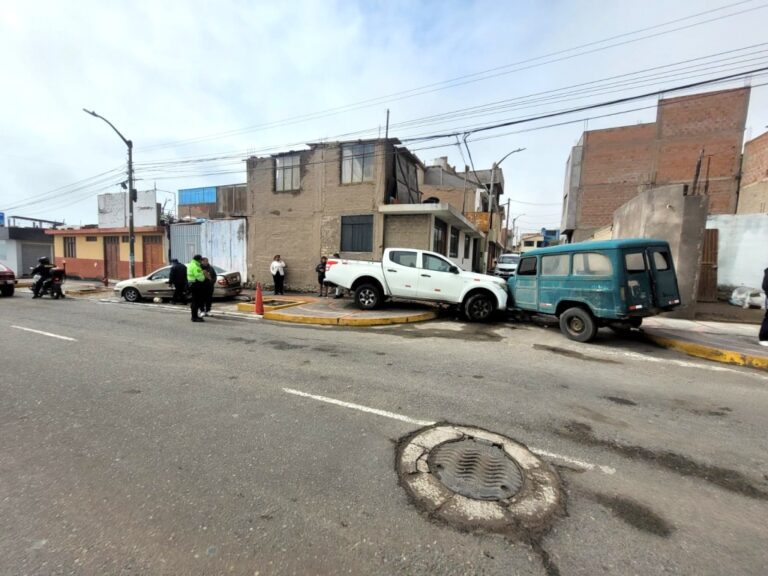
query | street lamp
[490, 202]
[131, 195]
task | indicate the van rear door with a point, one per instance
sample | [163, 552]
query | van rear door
[664, 278]
[639, 292]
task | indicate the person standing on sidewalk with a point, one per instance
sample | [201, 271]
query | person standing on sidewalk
[320, 269]
[210, 285]
[196, 279]
[277, 269]
[764, 325]
[178, 279]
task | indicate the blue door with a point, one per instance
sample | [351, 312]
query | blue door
[526, 294]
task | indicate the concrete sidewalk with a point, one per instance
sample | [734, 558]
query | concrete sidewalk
[725, 342]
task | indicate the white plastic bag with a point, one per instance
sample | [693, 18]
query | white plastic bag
[747, 297]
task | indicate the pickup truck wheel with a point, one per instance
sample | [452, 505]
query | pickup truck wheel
[578, 324]
[478, 307]
[367, 297]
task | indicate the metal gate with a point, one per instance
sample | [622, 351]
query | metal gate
[112, 257]
[152, 253]
[707, 291]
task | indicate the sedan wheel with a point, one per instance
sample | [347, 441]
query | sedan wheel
[131, 295]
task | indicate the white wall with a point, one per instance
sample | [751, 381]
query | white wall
[460, 261]
[742, 248]
[113, 209]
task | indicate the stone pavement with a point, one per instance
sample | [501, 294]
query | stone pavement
[726, 342]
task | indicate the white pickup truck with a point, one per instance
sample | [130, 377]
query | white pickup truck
[418, 275]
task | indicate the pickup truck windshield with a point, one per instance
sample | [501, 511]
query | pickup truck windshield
[509, 259]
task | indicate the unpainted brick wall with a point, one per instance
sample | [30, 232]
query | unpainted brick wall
[618, 163]
[408, 231]
[755, 167]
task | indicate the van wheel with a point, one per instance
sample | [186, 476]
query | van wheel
[578, 324]
[478, 307]
[367, 297]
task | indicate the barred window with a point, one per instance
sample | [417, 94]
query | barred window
[287, 173]
[70, 244]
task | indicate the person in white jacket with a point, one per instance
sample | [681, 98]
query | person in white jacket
[277, 269]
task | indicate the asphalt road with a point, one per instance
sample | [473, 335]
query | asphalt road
[146, 444]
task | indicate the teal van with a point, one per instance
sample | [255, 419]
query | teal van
[587, 285]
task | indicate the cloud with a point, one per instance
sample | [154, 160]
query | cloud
[169, 71]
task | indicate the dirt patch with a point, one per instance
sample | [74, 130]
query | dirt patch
[730, 480]
[573, 354]
[619, 400]
[635, 514]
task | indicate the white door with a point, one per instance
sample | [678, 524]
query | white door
[436, 281]
[402, 272]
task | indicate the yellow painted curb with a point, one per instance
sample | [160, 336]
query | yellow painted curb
[347, 321]
[710, 353]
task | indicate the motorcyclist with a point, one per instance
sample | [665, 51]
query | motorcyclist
[43, 270]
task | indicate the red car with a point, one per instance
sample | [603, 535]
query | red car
[7, 281]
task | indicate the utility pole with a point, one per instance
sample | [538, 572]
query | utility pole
[506, 226]
[131, 195]
[386, 130]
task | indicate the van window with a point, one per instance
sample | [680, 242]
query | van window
[634, 262]
[591, 264]
[527, 267]
[555, 265]
[661, 261]
[403, 258]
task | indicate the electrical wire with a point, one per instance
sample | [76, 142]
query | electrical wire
[476, 76]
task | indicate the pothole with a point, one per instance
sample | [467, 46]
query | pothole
[475, 479]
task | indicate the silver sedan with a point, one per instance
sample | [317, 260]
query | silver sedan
[155, 285]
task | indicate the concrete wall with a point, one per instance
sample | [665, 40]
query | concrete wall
[742, 254]
[302, 225]
[408, 231]
[618, 162]
[666, 213]
[113, 209]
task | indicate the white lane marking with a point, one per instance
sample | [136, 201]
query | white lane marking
[359, 407]
[684, 364]
[394, 416]
[45, 333]
[574, 461]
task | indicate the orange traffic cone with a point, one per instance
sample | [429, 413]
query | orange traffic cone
[258, 301]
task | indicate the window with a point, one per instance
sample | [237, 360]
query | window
[356, 163]
[125, 239]
[509, 259]
[436, 264]
[661, 261]
[357, 233]
[634, 262]
[467, 246]
[403, 258]
[527, 267]
[555, 265]
[162, 274]
[70, 250]
[90, 238]
[528, 243]
[287, 173]
[539, 243]
[591, 264]
[438, 236]
[454, 246]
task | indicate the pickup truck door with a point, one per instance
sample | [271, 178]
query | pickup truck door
[436, 281]
[401, 272]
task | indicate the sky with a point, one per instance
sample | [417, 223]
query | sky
[199, 86]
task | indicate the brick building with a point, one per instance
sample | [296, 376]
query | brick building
[609, 167]
[753, 196]
[355, 198]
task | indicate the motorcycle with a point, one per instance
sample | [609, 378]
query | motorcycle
[52, 286]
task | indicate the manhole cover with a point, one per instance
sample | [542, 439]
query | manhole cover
[476, 469]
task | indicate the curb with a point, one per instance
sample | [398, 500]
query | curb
[710, 353]
[347, 321]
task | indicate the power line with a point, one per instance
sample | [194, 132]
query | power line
[476, 76]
